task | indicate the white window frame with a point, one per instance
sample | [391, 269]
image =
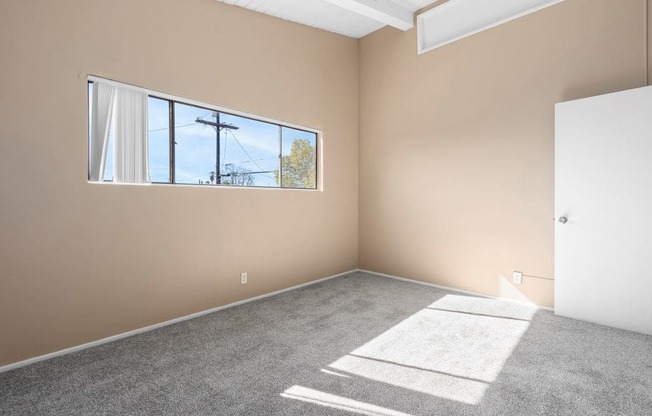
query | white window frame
[189, 101]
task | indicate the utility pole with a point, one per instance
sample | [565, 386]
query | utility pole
[218, 127]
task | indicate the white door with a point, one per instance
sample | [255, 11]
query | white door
[603, 186]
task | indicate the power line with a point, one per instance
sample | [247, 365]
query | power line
[247, 173]
[224, 153]
[247, 153]
[249, 161]
[176, 127]
[218, 127]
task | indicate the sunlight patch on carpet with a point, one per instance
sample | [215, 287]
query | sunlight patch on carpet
[337, 402]
[454, 349]
[424, 381]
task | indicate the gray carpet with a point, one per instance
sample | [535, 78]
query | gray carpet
[358, 344]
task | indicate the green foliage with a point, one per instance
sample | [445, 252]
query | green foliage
[299, 167]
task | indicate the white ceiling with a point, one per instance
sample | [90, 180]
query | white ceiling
[323, 14]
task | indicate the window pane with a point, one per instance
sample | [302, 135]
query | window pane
[249, 156]
[299, 159]
[217, 148]
[195, 145]
[159, 139]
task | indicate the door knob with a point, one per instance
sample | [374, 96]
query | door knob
[563, 220]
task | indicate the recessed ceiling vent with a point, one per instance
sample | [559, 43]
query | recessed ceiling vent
[457, 19]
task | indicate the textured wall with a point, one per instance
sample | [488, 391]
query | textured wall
[81, 261]
[456, 145]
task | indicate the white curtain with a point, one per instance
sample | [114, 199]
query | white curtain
[130, 140]
[102, 111]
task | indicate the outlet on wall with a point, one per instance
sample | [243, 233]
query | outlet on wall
[517, 277]
[243, 278]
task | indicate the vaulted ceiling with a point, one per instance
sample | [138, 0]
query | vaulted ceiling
[353, 18]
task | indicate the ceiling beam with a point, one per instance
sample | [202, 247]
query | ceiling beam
[384, 11]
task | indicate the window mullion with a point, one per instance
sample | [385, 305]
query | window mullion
[172, 141]
[280, 156]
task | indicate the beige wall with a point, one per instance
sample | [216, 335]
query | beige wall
[648, 5]
[81, 261]
[456, 157]
[456, 145]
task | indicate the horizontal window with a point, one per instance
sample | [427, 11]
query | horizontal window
[137, 137]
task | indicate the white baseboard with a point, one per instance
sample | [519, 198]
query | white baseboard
[116, 337]
[452, 289]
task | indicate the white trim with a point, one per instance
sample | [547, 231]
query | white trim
[452, 289]
[116, 337]
[421, 48]
[198, 186]
[383, 11]
[190, 101]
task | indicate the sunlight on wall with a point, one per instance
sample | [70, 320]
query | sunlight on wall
[507, 290]
[337, 402]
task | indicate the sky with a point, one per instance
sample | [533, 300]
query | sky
[254, 147]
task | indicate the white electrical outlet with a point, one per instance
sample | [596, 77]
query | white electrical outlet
[517, 278]
[243, 278]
